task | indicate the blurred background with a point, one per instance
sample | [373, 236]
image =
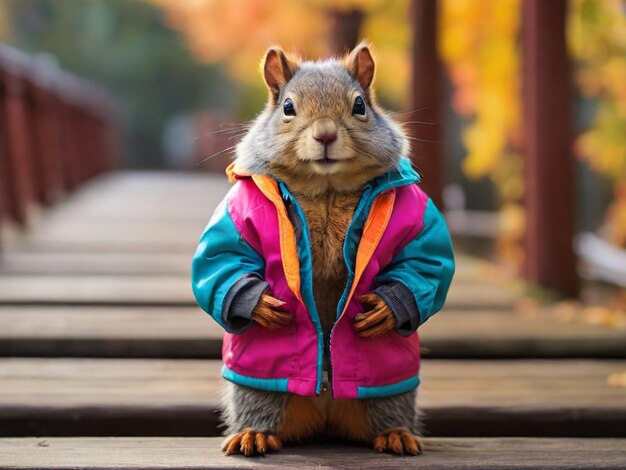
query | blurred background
[177, 73]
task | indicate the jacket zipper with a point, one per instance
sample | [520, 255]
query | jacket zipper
[342, 302]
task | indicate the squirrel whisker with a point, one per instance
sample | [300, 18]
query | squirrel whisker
[410, 112]
[216, 154]
[223, 131]
[420, 122]
[426, 140]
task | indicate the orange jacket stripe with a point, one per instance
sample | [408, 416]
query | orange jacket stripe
[373, 231]
[288, 248]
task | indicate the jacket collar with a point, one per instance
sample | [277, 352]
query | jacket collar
[402, 175]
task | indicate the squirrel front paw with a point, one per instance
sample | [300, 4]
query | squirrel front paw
[397, 441]
[268, 313]
[377, 318]
[250, 442]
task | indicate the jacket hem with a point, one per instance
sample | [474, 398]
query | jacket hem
[269, 385]
[388, 390]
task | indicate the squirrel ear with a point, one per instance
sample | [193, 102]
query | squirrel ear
[277, 70]
[360, 64]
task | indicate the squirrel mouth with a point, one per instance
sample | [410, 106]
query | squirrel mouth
[326, 161]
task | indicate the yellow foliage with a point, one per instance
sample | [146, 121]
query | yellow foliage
[597, 40]
[568, 311]
[478, 44]
[615, 228]
[5, 29]
[390, 33]
[618, 379]
[237, 33]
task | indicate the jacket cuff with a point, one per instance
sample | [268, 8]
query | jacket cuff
[240, 301]
[402, 304]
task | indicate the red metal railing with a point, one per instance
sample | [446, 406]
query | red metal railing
[56, 131]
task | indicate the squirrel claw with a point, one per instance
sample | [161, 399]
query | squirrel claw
[269, 313]
[375, 321]
[397, 441]
[250, 442]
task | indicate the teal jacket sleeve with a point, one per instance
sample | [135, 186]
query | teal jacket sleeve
[416, 282]
[227, 273]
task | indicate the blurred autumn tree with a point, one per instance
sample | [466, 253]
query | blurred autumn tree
[127, 47]
[479, 46]
[597, 39]
[237, 32]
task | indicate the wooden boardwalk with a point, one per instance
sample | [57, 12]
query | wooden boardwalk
[100, 337]
[197, 453]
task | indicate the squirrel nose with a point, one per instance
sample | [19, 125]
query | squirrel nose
[325, 131]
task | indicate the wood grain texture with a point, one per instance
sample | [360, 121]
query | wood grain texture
[180, 397]
[97, 290]
[68, 263]
[130, 212]
[188, 332]
[139, 196]
[101, 331]
[162, 234]
[175, 290]
[188, 453]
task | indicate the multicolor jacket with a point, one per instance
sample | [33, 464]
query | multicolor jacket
[396, 245]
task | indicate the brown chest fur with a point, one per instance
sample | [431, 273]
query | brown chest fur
[328, 217]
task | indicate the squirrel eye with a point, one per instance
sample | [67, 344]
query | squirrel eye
[288, 108]
[359, 106]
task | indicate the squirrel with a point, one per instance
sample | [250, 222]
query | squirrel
[320, 264]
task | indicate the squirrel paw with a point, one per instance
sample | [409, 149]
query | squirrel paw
[268, 313]
[398, 441]
[376, 320]
[250, 442]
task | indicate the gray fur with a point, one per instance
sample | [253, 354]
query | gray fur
[398, 411]
[244, 407]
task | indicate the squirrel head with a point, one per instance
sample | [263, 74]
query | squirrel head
[321, 128]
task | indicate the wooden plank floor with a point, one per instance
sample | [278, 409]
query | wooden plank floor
[439, 454]
[176, 291]
[76, 263]
[97, 302]
[187, 332]
[166, 397]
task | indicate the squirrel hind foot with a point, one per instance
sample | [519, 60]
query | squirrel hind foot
[250, 442]
[397, 441]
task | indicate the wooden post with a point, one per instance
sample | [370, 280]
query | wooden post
[18, 168]
[5, 179]
[426, 96]
[45, 139]
[550, 259]
[70, 147]
[344, 30]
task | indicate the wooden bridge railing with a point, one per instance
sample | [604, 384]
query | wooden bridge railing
[56, 131]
